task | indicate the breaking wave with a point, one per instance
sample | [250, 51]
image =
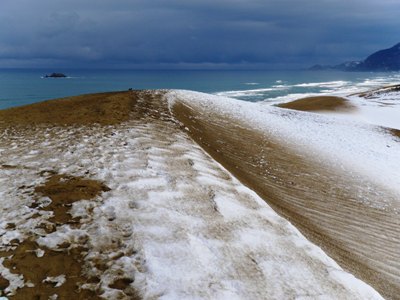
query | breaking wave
[282, 91]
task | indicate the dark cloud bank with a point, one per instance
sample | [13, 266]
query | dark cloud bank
[193, 33]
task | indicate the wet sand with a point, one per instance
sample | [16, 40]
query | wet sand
[320, 103]
[325, 205]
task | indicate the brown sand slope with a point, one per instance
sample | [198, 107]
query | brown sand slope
[395, 132]
[327, 206]
[104, 108]
[320, 103]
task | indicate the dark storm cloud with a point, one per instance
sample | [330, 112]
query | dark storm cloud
[193, 33]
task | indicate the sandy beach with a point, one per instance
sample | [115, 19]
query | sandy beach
[170, 194]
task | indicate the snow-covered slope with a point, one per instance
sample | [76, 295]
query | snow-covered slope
[336, 180]
[345, 144]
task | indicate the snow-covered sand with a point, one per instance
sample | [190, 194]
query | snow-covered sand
[350, 145]
[373, 102]
[175, 223]
[336, 180]
[381, 107]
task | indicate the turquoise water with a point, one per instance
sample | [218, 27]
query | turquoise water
[19, 87]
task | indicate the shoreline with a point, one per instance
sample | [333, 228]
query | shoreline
[224, 139]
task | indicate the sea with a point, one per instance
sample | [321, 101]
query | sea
[24, 86]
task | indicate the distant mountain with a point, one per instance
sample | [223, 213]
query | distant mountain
[383, 60]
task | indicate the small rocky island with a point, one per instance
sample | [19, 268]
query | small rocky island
[55, 75]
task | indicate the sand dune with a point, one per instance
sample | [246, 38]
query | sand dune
[320, 103]
[379, 92]
[162, 216]
[105, 109]
[332, 207]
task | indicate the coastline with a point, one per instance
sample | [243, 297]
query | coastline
[277, 175]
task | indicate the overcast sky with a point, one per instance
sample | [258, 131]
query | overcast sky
[193, 33]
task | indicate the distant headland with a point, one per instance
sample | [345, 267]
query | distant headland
[383, 60]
